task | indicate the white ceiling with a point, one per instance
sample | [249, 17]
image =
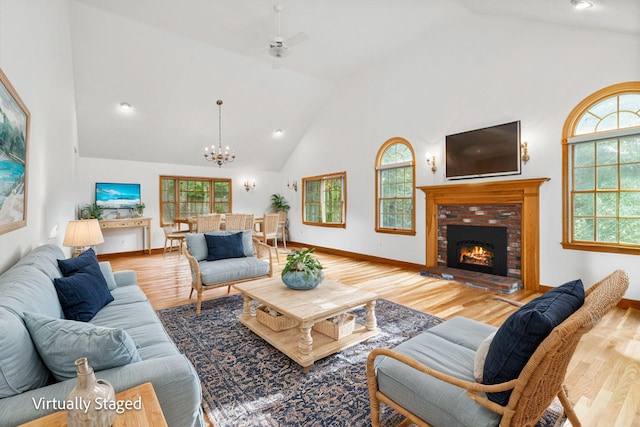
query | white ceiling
[172, 59]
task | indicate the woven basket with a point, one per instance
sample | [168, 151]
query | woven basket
[335, 330]
[276, 323]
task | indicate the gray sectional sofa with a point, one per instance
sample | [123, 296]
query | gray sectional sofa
[25, 379]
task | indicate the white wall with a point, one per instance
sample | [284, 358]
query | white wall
[92, 170]
[35, 54]
[478, 72]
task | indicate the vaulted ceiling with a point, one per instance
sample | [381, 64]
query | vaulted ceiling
[171, 60]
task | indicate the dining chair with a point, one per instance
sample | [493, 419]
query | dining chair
[211, 222]
[269, 231]
[282, 225]
[234, 222]
[171, 236]
[248, 222]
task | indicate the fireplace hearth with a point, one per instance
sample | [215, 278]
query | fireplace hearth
[477, 248]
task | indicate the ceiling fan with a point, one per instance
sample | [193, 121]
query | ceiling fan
[278, 46]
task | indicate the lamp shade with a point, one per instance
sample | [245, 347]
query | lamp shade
[83, 232]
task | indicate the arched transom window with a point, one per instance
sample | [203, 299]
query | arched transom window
[395, 195]
[601, 171]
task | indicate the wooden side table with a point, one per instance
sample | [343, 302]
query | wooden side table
[135, 222]
[150, 415]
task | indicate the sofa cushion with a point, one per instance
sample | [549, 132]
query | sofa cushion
[83, 294]
[224, 247]
[232, 269]
[43, 258]
[25, 288]
[423, 394]
[521, 334]
[60, 342]
[21, 368]
[107, 273]
[196, 245]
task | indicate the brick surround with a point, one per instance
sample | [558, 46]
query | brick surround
[509, 216]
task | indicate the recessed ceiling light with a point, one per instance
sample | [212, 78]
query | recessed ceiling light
[278, 132]
[581, 4]
[124, 106]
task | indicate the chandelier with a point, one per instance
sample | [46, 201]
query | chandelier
[219, 156]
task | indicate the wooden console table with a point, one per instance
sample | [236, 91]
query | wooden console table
[140, 222]
[150, 415]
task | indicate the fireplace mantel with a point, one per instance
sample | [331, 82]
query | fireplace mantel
[523, 191]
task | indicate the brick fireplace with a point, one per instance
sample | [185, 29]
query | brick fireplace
[513, 204]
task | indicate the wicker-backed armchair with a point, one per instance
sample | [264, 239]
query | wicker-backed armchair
[224, 272]
[538, 384]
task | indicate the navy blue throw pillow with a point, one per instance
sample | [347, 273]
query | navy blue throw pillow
[83, 294]
[521, 334]
[223, 247]
[71, 265]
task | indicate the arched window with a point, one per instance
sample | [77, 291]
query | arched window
[601, 172]
[395, 191]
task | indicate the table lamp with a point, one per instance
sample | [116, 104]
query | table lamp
[81, 234]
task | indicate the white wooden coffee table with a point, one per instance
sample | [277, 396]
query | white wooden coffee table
[303, 344]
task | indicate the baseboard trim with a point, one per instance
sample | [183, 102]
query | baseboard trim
[107, 257]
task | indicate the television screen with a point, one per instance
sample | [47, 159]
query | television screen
[115, 196]
[490, 151]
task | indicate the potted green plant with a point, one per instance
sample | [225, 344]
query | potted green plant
[302, 271]
[140, 208]
[279, 204]
[91, 211]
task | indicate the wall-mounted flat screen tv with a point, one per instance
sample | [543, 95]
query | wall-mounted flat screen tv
[491, 151]
[113, 195]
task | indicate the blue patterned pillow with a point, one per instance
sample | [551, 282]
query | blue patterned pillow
[521, 334]
[83, 294]
[60, 342]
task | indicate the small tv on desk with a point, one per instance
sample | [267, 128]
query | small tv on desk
[111, 195]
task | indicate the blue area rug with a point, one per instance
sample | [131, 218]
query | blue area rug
[247, 382]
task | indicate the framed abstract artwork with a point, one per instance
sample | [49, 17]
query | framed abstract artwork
[14, 149]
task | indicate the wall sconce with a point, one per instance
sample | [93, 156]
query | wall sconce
[525, 152]
[248, 186]
[293, 185]
[432, 162]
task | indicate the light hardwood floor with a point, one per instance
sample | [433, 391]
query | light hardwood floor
[604, 374]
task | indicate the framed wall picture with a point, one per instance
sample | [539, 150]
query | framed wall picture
[14, 149]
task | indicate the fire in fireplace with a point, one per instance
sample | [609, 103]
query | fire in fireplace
[476, 254]
[477, 248]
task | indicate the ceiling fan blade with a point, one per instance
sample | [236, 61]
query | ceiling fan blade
[297, 39]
